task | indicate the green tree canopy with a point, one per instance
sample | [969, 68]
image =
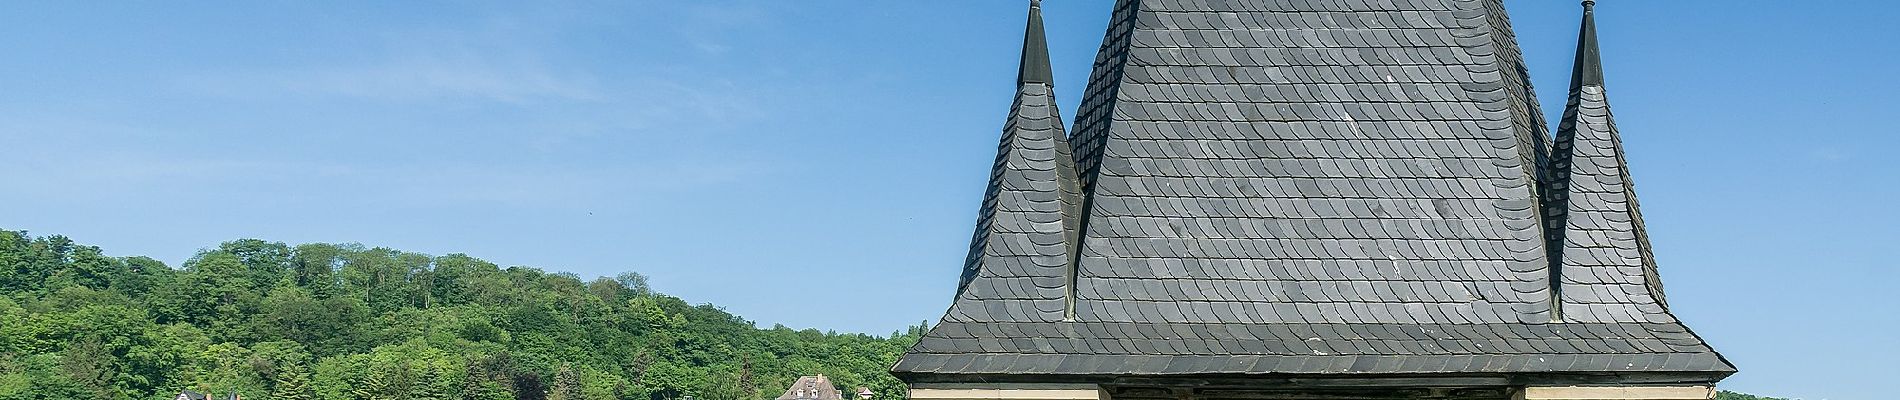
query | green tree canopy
[345, 321]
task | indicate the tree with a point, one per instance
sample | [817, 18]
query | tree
[26, 263]
[92, 368]
[1727, 395]
[323, 326]
[567, 384]
[313, 267]
[265, 263]
[634, 282]
[292, 383]
[228, 367]
[215, 291]
[280, 363]
[139, 276]
[39, 377]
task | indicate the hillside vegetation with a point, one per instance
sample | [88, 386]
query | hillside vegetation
[327, 321]
[1727, 395]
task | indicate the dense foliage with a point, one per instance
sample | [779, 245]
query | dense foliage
[326, 321]
[1727, 395]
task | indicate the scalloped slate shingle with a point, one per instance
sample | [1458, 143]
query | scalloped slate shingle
[1312, 187]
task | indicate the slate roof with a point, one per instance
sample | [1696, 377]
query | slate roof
[1325, 187]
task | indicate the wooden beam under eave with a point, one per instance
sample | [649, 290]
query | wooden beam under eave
[1006, 394]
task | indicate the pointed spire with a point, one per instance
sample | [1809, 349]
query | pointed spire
[1020, 259]
[1589, 69]
[1035, 63]
[1601, 266]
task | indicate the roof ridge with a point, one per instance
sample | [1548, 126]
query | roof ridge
[1533, 141]
[1097, 112]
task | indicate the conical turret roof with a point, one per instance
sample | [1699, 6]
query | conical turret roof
[1018, 268]
[1606, 272]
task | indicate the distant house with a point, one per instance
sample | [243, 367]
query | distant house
[812, 388]
[191, 395]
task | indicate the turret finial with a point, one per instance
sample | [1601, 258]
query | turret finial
[1035, 64]
[1589, 68]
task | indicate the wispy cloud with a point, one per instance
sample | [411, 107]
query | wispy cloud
[422, 185]
[496, 61]
[709, 23]
[1829, 154]
[415, 79]
[406, 77]
[507, 83]
[558, 99]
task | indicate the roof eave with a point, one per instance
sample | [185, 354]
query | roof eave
[1311, 381]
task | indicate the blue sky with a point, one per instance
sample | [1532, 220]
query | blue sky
[819, 163]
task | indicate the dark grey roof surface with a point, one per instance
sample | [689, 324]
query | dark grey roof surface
[1313, 187]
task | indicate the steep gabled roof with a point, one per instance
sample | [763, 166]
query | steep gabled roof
[1018, 266]
[1309, 187]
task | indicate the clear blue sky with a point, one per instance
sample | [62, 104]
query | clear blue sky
[819, 163]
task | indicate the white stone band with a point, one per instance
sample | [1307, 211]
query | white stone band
[1618, 393]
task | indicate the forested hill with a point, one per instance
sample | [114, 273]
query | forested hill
[326, 321]
[1726, 395]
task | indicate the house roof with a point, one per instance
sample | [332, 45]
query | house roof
[1310, 187]
[812, 388]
